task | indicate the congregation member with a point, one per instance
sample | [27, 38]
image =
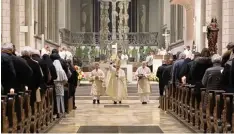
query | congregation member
[149, 60]
[159, 75]
[176, 68]
[228, 75]
[116, 85]
[45, 50]
[16, 73]
[143, 83]
[36, 81]
[97, 78]
[212, 77]
[228, 53]
[59, 87]
[72, 81]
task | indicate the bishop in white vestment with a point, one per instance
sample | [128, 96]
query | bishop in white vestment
[97, 79]
[144, 88]
[116, 85]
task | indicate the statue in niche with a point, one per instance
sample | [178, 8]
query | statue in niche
[212, 35]
[143, 18]
[79, 52]
[148, 50]
[141, 51]
[134, 54]
[83, 17]
[86, 54]
[93, 53]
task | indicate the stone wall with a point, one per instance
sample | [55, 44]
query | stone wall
[5, 21]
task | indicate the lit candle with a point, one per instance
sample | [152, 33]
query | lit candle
[12, 91]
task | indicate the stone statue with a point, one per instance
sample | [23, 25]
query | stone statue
[212, 35]
[86, 53]
[141, 51]
[93, 52]
[143, 18]
[134, 54]
[84, 17]
[148, 50]
[79, 52]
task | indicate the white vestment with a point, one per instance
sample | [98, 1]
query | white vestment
[44, 51]
[116, 87]
[143, 85]
[97, 79]
[124, 60]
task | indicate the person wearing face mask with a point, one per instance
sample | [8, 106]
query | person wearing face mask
[116, 85]
[97, 79]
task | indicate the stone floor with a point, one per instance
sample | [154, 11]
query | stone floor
[136, 114]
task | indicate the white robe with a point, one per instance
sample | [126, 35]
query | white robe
[116, 87]
[97, 88]
[143, 84]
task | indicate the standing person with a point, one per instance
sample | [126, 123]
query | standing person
[142, 74]
[72, 81]
[159, 75]
[97, 79]
[59, 87]
[176, 68]
[45, 50]
[116, 83]
[149, 60]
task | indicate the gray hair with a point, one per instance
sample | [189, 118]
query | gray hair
[182, 56]
[7, 46]
[216, 58]
[35, 51]
[26, 51]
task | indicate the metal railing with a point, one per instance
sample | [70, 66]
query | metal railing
[96, 38]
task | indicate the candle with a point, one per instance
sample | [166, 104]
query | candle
[12, 91]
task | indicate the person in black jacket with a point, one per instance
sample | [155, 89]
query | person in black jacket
[37, 77]
[22, 70]
[159, 75]
[46, 59]
[72, 81]
[55, 56]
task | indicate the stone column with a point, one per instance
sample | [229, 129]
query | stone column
[15, 25]
[6, 21]
[29, 23]
[114, 14]
[227, 23]
[200, 11]
[45, 4]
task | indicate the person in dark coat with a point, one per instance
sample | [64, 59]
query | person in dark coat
[185, 70]
[228, 76]
[55, 56]
[22, 69]
[7, 68]
[72, 81]
[159, 75]
[177, 67]
[212, 77]
[46, 59]
[37, 77]
[198, 70]
[227, 54]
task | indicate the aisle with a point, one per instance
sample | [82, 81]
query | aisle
[132, 113]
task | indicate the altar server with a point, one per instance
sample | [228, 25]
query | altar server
[142, 74]
[97, 79]
[116, 83]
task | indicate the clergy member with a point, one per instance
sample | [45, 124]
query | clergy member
[97, 79]
[143, 85]
[116, 85]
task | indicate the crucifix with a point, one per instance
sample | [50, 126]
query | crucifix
[167, 38]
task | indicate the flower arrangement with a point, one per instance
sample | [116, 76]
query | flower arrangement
[80, 73]
[153, 77]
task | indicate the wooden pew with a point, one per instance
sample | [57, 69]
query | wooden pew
[192, 109]
[219, 104]
[28, 111]
[34, 116]
[11, 113]
[201, 113]
[227, 112]
[4, 117]
[19, 107]
[188, 97]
